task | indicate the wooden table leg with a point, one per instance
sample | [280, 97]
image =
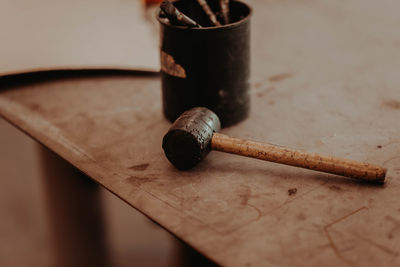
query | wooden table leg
[74, 210]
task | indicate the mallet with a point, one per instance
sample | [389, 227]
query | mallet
[194, 134]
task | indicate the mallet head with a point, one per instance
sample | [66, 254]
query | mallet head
[188, 140]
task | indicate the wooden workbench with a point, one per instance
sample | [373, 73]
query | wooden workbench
[325, 78]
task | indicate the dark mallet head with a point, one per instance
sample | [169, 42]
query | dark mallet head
[188, 140]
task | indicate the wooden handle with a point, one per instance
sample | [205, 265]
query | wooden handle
[298, 158]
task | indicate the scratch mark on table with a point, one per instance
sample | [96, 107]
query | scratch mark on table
[332, 243]
[178, 209]
[388, 160]
[280, 77]
[261, 214]
[391, 142]
[258, 211]
[139, 180]
[373, 243]
[396, 225]
[303, 195]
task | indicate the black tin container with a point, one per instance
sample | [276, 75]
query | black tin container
[207, 66]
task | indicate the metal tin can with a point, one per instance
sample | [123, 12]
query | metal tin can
[208, 66]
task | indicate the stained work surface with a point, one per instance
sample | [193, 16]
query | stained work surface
[325, 79]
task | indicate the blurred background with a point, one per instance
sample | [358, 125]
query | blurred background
[132, 239]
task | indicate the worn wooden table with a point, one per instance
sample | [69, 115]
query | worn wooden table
[325, 79]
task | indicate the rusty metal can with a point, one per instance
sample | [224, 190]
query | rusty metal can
[208, 66]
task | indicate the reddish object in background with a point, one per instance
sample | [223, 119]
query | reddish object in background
[152, 2]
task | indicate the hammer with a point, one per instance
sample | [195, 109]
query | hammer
[194, 134]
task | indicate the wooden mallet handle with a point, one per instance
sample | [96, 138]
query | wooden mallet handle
[298, 158]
